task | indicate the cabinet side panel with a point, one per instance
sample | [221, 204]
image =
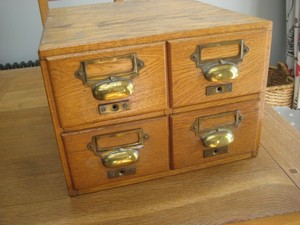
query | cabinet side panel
[57, 128]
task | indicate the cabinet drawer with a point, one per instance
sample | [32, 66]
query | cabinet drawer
[108, 84]
[117, 153]
[217, 67]
[213, 134]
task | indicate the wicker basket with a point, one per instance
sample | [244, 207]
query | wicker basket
[280, 86]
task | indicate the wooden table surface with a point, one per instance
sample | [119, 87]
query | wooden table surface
[33, 189]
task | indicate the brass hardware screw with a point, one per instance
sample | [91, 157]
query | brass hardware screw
[125, 106]
[246, 49]
[141, 64]
[90, 146]
[102, 109]
[79, 74]
[193, 57]
[115, 107]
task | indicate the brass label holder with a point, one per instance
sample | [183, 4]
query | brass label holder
[221, 69]
[110, 86]
[120, 155]
[216, 137]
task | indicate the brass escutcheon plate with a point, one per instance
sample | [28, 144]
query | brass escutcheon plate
[215, 151]
[114, 107]
[218, 89]
[121, 172]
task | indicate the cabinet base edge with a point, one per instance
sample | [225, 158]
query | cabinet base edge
[162, 174]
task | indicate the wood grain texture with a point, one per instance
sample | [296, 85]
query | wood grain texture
[76, 34]
[21, 88]
[86, 168]
[44, 8]
[29, 157]
[286, 149]
[91, 27]
[118, 120]
[188, 148]
[75, 102]
[205, 105]
[285, 219]
[56, 126]
[171, 200]
[263, 91]
[188, 84]
[33, 190]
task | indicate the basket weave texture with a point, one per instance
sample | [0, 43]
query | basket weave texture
[280, 86]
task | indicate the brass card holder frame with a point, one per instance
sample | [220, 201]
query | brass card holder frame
[121, 155]
[218, 136]
[110, 86]
[221, 69]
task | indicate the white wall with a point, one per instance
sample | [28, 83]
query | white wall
[21, 28]
[269, 9]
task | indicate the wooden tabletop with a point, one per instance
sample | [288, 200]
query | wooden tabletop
[33, 189]
[110, 25]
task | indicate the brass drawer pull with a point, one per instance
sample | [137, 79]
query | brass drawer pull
[110, 78]
[218, 138]
[120, 155]
[220, 69]
[219, 135]
[113, 88]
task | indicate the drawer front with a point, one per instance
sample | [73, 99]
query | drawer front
[217, 67]
[117, 153]
[208, 135]
[108, 84]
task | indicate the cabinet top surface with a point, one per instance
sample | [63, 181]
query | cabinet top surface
[107, 25]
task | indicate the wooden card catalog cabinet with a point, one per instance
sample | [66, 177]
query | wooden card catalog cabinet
[140, 90]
